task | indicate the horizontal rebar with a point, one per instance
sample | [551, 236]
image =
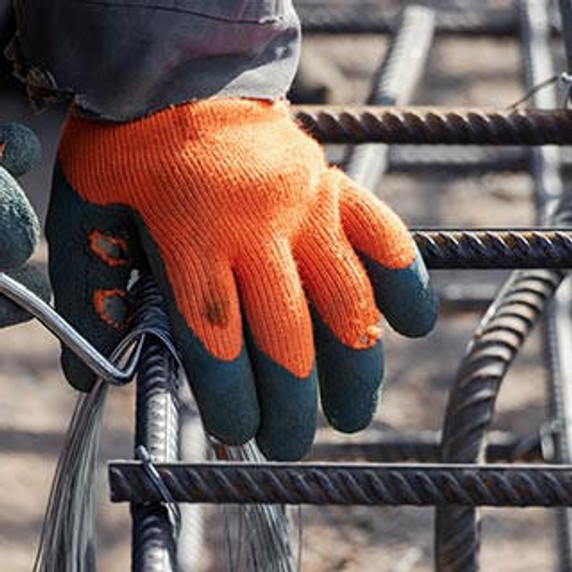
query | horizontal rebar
[425, 447]
[375, 18]
[457, 160]
[435, 126]
[367, 484]
[508, 248]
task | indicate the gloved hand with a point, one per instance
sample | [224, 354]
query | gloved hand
[19, 228]
[271, 263]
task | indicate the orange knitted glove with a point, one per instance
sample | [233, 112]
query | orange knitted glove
[243, 225]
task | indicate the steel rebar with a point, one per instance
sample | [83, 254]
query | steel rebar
[470, 407]
[558, 341]
[375, 18]
[425, 447]
[509, 248]
[393, 84]
[156, 525]
[338, 484]
[435, 126]
[456, 160]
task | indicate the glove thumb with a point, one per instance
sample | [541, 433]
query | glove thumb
[90, 264]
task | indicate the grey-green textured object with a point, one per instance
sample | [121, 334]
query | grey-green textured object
[19, 226]
[34, 277]
[20, 149]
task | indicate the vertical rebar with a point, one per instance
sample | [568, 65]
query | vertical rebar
[558, 340]
[393, 84]
[155, 526]
[566, 19]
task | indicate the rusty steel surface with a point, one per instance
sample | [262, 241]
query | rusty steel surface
[435, 126]
[351, 484]
[508, 248]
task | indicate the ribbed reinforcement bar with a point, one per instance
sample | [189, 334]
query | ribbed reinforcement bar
[425, 447]
[495, 249]
[375, 484]
[155, 525]
[376, 18]
[435, 126]
[394, 83]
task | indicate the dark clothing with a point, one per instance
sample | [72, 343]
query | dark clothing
[123, 59]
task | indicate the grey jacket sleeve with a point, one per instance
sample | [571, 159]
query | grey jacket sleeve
[123, 59]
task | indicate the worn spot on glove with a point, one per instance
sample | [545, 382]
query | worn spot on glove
[217, 311]
[111, 307]
[371, 336]
[112, 250]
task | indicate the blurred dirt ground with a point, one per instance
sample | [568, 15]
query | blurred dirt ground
[35, 402]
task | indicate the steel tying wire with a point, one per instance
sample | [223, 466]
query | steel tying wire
[393, 84]
[67, 541]
[66, 334]
[263, 538]
[68, 535]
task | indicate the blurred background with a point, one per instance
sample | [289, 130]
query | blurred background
[36, 403]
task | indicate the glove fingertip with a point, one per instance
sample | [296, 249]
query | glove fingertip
[224, 390]
[350, 379]
[404, 296]
[288, 407]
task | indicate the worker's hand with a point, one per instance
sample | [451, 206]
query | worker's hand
[272, 264]
[19, 228]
